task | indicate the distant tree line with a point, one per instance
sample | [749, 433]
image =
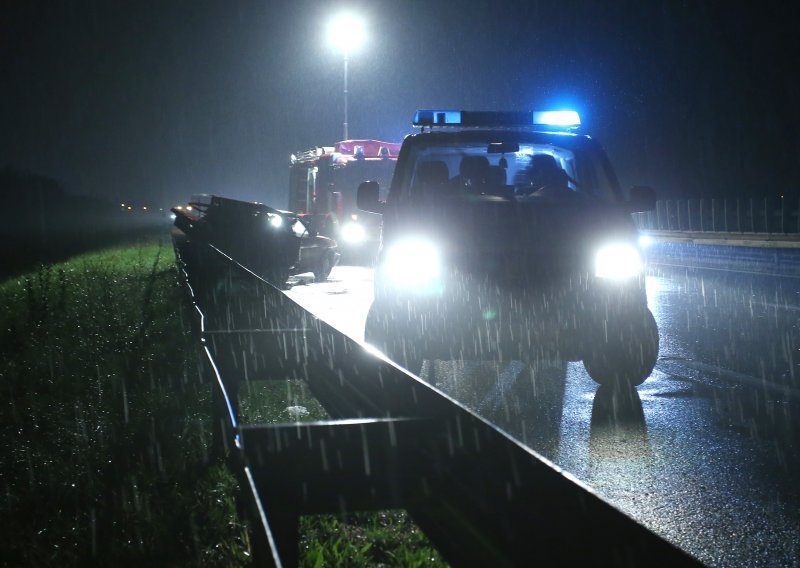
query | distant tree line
[21, 186]
[36, 206]
[40, 222]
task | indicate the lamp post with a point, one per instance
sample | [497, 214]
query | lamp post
[346, 136]
[346, 33]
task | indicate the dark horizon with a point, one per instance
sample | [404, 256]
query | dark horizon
[153, 102]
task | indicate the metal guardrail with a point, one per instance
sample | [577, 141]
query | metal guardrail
[734, 215]
[481, 497]
[772, 259]
[755, 236]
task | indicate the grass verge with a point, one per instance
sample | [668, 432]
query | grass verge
[104, 423]
[105, 430]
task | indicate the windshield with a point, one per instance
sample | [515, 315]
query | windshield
[526, 172]
[344, 178]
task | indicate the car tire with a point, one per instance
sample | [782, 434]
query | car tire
[624, 352]
[323, 269]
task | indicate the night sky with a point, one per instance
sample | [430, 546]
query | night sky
[154, 101]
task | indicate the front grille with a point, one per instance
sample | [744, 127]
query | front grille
[522, 268]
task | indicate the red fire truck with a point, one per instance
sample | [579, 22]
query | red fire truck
[323, 183]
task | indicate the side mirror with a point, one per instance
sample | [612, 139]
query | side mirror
[367, 197]
[642, 198]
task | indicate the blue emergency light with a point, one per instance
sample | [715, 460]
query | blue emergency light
[437, 118]
[565, 118]
[473, 119]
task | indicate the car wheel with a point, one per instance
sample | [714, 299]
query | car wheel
[323, 269]
[623, 352]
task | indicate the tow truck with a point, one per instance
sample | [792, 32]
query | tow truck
[322, 186]
[506, 236]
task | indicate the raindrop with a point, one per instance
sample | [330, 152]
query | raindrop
[125, 401]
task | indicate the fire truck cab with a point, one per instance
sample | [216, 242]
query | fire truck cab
[323, 182]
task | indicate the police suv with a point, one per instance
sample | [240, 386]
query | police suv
[506, 236]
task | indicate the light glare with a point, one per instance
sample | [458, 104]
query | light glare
[353, 233]
[618, 262]
[346, 32]
[413, 263]
[557, 118]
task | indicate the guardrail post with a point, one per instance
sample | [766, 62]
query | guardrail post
[725, 213]
[766, 216]
[713, 215]
[689, 212]
[738, 215]
[702, 223]
[669, 216]
[783, 215]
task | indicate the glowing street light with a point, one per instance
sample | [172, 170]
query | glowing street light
[346, 33]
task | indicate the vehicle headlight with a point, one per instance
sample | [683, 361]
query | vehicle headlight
[276, 221]
[645, 241]
[415, 264]
[353, 233]
[618, 262]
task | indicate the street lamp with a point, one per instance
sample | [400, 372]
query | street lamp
[346, 33]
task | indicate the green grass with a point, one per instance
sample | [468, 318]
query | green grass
[105, 430]
[104, 427]
[269, 402]
[386, 538]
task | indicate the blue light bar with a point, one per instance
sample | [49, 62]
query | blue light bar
[437, 118]
[557, 118]
[468, 118]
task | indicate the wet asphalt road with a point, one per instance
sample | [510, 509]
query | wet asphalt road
[705, 452]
